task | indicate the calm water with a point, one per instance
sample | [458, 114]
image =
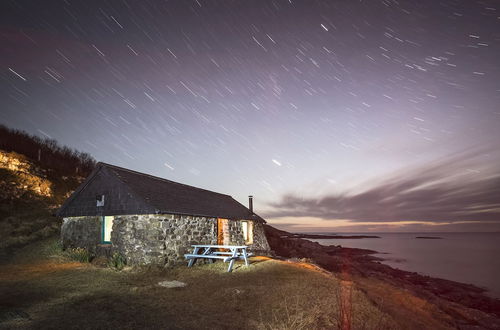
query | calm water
[463, 257]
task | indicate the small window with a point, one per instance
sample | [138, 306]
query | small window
[99, 200]
[247, 228]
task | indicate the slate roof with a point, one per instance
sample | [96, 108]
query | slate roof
[160, 196]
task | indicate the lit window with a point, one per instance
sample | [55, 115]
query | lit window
[107, 227]
[247, 229]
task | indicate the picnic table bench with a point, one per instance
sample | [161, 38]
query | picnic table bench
[223, 252]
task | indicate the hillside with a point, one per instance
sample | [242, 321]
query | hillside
[36, 176]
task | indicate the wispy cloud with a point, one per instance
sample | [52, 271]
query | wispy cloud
[461, 187]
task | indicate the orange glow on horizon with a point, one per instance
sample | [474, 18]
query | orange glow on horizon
[312, 223]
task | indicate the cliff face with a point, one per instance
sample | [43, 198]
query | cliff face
[21, 177]
[36, 176]
[29, 196]
[26, 201]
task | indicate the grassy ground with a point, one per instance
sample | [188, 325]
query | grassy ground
[41, 288]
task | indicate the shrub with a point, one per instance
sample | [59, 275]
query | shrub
[54, 248]
[79, 254]
[117, 261]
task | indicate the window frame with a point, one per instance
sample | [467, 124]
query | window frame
[248, 234]
[103, 229]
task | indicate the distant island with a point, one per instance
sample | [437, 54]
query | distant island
[429, 237]
[320, 236]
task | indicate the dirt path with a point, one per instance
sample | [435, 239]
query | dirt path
[17, 272]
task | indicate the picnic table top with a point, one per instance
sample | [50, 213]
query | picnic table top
[221, 246]
[225, 256]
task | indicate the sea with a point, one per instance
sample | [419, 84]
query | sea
[472, 258]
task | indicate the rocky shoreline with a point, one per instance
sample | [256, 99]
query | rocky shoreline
[319, 236]
[468, 305]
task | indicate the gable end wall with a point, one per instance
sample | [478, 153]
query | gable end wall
[118, 198]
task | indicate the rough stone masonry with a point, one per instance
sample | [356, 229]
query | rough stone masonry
[157, 239]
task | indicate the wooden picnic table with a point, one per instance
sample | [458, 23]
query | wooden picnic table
[223, 252]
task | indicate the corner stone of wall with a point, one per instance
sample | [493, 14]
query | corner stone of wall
[260, 245]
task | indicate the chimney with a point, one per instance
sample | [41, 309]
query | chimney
[250, 203]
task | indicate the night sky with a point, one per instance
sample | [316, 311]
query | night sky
[336, 115]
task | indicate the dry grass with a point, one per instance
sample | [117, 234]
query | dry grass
[408, 310]
[44, 290]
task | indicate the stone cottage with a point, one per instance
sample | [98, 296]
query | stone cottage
[150, 220]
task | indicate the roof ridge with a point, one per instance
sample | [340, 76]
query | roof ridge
[157, 177]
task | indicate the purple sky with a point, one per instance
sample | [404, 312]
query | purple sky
[336, 115]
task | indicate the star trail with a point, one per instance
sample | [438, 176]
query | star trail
[335, 115]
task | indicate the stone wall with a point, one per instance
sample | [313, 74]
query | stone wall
[82, 232]
[260, 244]
[160, 239]
[234, 232]
[157, 239]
